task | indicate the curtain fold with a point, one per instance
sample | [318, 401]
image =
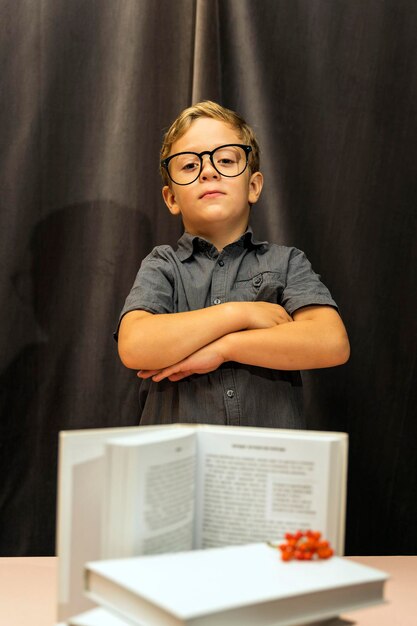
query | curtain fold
[206, 79]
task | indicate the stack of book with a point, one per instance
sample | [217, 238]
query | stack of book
[194, 500]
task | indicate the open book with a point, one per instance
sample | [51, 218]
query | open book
[143, 490]
[236, 585]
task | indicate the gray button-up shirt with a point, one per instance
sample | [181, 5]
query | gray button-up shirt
[197, 275]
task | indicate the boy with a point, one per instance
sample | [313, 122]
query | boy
[219, 327]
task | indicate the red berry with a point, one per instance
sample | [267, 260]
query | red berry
[325, 553]
[305, 545]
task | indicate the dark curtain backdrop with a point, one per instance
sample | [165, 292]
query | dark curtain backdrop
[87, 88]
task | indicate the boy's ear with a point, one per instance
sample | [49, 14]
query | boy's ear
[169, 199]
[256, 183]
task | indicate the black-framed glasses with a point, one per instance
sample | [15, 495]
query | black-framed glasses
[230, 160]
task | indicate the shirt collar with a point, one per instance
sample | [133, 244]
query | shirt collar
[188, 244]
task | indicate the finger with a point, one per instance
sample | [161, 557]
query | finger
[165, 373]
[147, 373]
[158, 377]
[179, 376]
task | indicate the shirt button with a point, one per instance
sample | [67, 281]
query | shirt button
[221, 263]
[230, 393]
[217, 301]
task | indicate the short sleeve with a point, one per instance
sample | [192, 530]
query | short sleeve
[303, 286]
[153, 289]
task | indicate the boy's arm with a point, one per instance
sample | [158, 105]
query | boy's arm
[316, 339]
[154, 342]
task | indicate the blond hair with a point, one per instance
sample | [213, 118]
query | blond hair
[210, 109]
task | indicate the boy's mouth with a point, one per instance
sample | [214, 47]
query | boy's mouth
[213, 193]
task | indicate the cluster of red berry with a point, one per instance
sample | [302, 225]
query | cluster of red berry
[305, 546]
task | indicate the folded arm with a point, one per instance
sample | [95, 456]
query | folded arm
[154, 342]
[316, 339]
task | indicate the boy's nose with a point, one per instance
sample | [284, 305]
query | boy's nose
[207, 169]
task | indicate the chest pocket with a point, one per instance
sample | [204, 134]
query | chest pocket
[264, 286]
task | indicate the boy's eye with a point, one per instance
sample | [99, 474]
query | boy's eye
[186, 163]
[227, 157]
[190, 166]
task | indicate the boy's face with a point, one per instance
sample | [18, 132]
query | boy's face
[214, 207]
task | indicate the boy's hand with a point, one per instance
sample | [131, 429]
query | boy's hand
[265, 315]
[205, 360]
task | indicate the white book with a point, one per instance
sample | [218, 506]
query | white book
[234, 586]
[97, 617]
[155, 489]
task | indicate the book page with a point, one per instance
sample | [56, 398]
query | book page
[255, 487]
[150, 493]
